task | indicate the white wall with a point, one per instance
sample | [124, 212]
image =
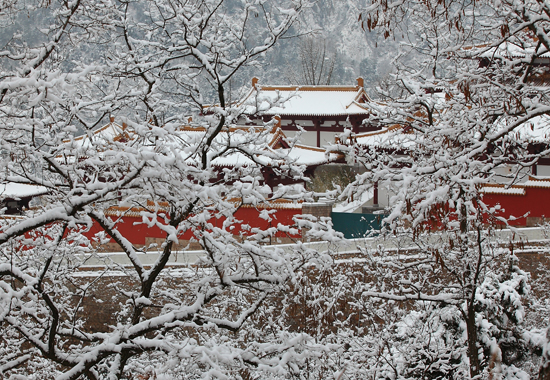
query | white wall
[543, 171]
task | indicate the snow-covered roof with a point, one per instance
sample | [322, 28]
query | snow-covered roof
[277, 204]
[19, 190]
[257, 135]
[108, 133]
[308, 155]
[297, 155]
[393, 137]
[267, 147]
[538, 182]
[519, 189]
[493, 189]
[306, 100]
[511, 50]
[136, 212]
[536, 130]
[233, 159]
[252, 139]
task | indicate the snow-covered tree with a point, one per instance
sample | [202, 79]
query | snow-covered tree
[156, 66]
[471, 82]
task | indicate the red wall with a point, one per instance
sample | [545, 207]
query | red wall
[136, 231]
[536, 202]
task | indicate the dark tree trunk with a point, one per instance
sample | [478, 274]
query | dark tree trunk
[544, 373]
[473, 351]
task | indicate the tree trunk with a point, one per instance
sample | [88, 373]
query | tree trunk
[473, 352]
[544, 372]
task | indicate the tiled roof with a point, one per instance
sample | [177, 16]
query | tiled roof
[132, 212]
[536, 130]
[261, 140]
[519, 189]
[308, 155]
[135, 212]
[394, 137]
[109, 132]
[270, 205]
[538, 182]
[297, 155]
[306, 100]
[510, 50]
[495, 189]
